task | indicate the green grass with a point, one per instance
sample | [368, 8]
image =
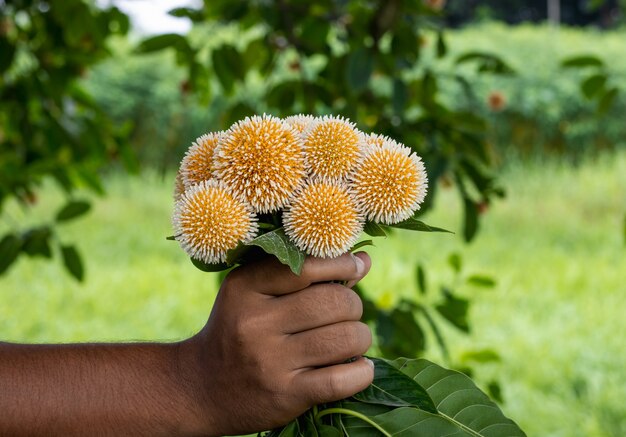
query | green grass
[556, 317]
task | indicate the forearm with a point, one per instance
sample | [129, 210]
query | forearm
[95, 389]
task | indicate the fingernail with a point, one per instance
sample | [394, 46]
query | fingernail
[370, 362]
[360, 265]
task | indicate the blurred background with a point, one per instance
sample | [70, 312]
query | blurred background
[518, 109]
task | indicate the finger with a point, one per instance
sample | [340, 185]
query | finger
[329, 344]
[368, 264]
[329, 384]
[269, 276]
[316, 306]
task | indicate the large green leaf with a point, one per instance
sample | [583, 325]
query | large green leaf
[458, 401]
[393, 388]
[278, 244]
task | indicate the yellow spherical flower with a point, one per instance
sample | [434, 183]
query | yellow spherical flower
[300, 122]
[323, 219]
[197, 165]
[209, 221]
[261, 159]
[389, 182]
[331, 145]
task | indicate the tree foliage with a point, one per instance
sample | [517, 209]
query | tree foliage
[49, 126]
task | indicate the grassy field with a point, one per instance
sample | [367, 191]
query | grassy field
[556, 317]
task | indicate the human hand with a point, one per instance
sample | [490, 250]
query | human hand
[277, 343]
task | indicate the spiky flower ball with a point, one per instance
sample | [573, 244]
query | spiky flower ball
[332, 148]
[261, 159]
[300, 122]
[389, 182]
[323, 219]
[197, 165]
[209, 221]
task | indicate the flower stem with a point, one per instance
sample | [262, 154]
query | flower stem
[352, 413]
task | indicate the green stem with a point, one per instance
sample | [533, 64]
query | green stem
[352, 413]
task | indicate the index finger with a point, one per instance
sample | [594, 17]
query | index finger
[270, 277]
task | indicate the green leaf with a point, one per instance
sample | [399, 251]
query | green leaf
[591, 86]
[283, 95]
[72, 210]
[582, 61]
[360, 68]
[164, 41]
[421, 279]
[73, 262]
[413, 224]
[194, 15]
[228, 65]
[7, 53]
[399, 334]
[37, 242]
[624, 229]
[481, 281]
[399, 96]
[459, 404]
[481, 356]
[292, 429]
[436, 332]
[278, 244]
[442, 49]
[393, 388]
[470, 224]
[361, 244]
[454, 309]
[374, 230]
[209, 268]
[487, 62]
[606, 100]
[454, 259]
[10, 246]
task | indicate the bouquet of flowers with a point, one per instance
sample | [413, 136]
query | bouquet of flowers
[294, 187]
[311, 186]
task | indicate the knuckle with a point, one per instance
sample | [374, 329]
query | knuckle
[335, 384]
[344, 301]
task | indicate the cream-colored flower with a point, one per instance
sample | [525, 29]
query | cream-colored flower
[209, 221]
[197, 165]
[332, 148]
[323, 219]
[261, 159]
[389, 182]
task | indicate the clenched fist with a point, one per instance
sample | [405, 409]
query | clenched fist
[277, 344]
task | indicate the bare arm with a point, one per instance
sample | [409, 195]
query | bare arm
[274, 346]
[94, 389]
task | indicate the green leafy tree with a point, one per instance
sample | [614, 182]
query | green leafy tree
[49, 126]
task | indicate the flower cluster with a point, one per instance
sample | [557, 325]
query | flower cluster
[319, 178]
